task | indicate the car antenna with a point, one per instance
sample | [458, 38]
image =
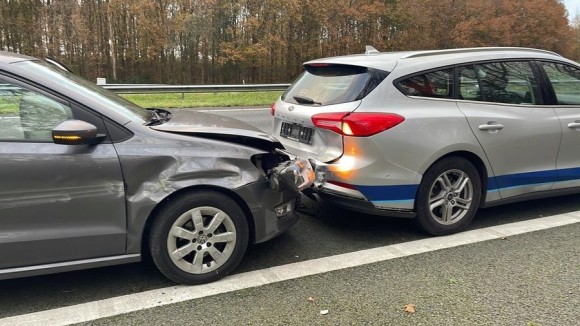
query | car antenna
[371, 50]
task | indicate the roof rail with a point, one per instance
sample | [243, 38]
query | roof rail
[470, 50]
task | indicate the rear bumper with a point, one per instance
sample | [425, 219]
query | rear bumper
[386, 200]
[357, 204]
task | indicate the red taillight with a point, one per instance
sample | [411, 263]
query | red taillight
[356, 124]
[273, 108]
[342, 184]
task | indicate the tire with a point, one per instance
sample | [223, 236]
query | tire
[198, 237]
[448, 197]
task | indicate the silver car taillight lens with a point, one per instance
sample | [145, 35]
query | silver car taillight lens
[356, 124]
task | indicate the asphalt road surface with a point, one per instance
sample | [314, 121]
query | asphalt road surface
[527, 279]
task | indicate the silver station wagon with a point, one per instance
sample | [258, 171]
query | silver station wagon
[434, 135]
[88, 179]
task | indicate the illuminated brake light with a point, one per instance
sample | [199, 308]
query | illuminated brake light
[273, 108]
[357, 124]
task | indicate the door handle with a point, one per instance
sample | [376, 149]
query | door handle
[491, 126]
[574, 125]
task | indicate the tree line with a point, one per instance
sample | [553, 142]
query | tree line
[263, 41]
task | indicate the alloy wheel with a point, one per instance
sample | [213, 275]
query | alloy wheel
[201, 240]
[450, 197]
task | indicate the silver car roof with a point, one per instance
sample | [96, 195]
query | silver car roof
[10, 57]
[420, 60]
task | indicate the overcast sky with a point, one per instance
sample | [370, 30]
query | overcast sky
[573, 7]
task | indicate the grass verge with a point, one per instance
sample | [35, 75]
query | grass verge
[194, 100]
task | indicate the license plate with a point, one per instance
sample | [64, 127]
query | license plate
[296, 132]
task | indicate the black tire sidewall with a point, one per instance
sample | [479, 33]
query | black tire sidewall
[424, 219]
[172, 210]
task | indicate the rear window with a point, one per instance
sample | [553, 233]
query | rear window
[333, 84]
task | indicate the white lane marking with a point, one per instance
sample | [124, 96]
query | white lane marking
[160, 297]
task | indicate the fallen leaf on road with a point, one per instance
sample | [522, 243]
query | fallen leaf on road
[410, 308]
[310, 299]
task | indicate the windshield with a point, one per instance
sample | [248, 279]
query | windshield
[43, 70]
[325, 84]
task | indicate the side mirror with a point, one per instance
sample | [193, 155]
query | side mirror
[76, 132]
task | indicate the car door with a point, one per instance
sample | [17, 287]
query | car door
[502, 103]
[565, 87]
[57, 202]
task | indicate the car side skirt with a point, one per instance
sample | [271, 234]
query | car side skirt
[531, 196]
[67, 266]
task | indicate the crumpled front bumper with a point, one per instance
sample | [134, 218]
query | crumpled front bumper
[273, 201]
[295, 174]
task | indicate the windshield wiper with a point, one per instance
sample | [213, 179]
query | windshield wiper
[158, 116]
[305, 100]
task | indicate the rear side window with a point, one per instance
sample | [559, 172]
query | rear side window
[333, 84]
[565, 81]
[432, 84]
[499, 82]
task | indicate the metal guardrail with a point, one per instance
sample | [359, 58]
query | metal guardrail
[142, 89]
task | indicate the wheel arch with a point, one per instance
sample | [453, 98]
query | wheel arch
[442, 217]
[182, 192]
[479, 165]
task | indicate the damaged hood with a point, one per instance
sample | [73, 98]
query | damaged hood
[212, 126]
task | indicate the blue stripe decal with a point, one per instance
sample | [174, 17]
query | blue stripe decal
[532, 178]
[525, 179]
[388, 193]
[568, 174]
[407, 193]
[492, 184]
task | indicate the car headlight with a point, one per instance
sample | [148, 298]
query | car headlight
[296, 174]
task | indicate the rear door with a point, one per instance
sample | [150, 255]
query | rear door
[330, 90]
[565, 84]
[57, 202]
[520, 137]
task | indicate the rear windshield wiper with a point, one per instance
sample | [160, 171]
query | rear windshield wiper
[158, 116]
[305, 100]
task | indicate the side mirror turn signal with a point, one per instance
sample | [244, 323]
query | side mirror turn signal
[76, 132]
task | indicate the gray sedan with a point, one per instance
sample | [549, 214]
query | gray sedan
[89, 179]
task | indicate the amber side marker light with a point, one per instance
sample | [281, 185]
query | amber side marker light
[67, 137]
